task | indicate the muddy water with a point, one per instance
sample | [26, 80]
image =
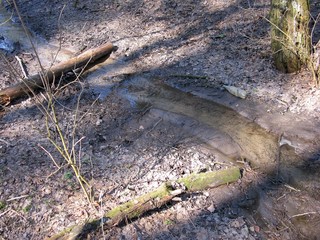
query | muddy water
[221, 128]
[13, 37]
[238, 138]
[12, 34]
[250, 141]
[105, 75]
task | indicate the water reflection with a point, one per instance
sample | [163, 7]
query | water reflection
[12, 35]
[14, 38]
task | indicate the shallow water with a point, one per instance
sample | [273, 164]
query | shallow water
[12, 34]
[105, 75]
[14, 38]
[237, 138]
[251, 141]
[221, 128]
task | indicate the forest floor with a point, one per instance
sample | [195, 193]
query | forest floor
[156, 111]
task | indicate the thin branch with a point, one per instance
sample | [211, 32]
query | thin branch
[22, 66]
[303, 214]
[27, 33]
[17, 198]
[50, 155]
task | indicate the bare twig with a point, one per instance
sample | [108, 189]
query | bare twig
[22, 66]
[291, 188]
[27, 33]
[5, 212]
[59, 26]
[303, 214]
[50, 155]
[17, 198]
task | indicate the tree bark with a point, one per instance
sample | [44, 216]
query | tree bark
[290, 38]
[315, 64]
[40, 80]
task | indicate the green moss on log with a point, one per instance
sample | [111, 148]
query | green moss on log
[201, 181]
[130, 208]
[152, 200]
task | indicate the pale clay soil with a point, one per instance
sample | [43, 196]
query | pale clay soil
[131, 143]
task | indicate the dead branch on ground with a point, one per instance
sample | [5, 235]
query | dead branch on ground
[151, 201]
[36, 82]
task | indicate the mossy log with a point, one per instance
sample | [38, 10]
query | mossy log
[151, 201]
[47, 77]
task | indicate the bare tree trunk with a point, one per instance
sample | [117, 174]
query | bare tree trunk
[315, 64]
[290, 38]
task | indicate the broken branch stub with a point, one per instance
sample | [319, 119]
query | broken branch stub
[38, 81]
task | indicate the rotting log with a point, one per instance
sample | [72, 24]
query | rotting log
[151, 201]
[37, 81]
[202, 181]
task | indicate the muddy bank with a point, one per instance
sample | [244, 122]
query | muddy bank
[144, 127]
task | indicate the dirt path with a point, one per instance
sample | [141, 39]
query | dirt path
[158, 116]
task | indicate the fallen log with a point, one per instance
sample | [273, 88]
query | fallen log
[37, 81]
[151, 201]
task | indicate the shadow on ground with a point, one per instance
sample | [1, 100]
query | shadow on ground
[272, 201]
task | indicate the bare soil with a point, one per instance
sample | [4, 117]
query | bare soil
[157, 110]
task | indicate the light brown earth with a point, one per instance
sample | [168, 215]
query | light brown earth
[157, 110]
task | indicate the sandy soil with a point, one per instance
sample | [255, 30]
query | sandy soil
[150, 118]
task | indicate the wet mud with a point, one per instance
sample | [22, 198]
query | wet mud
[287, 192]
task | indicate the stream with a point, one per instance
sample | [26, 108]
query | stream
[234, 137]
[223, 130]
[13, 38]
